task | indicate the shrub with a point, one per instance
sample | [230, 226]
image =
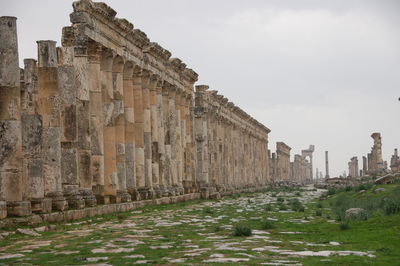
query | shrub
[208, 210]
[344, 226]
[391, 204]
[348, 188]
[280, 199]
[268, 207]
[242, 230]
[298, 194]
[274, 195]
[267, 224]
[282, 207]
[318, 213]
[319, 205]
[217, 228]
[332, 191]
[296, 205]
[364, 186]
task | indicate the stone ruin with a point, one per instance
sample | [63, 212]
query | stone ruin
[395, 162]
[111, 117]
[283, 171]
[353, 167]
[375, 163]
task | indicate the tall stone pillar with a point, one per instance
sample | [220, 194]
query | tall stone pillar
[110, 166]
[31, 123]
[155, 127]
[83, 87]
[122, 193]
[129, 129]
[96, 121]
[326, 165]
[161, 137]
[49, 108]
[172, 137]
[146, 189]
[68, 127]
[365, 165]
[179, 148]
[139, 131]
[201, 137]
[11, 174]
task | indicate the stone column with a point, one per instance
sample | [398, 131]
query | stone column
[178, 158]
[49, 100]
[365, 166]
[172, 137]
[31, 123]
[96, 121]
[129, 129]
[11, 174]
[83, 86]
[147, 82]
[166, 158]
[201, 137]
[122, 193]
[139, 131]
[67, 85]
[110, 166]
[326, 165]
[161, 137]
[155, 127]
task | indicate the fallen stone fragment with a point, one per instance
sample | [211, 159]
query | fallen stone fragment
[11, 256]
[96, 259]
[116, 250]
[135, 256]
[27, 232]
[180, 260]
[227, 260]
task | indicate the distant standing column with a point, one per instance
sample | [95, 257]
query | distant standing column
[326, 165]
[365, 166]
[10, 123]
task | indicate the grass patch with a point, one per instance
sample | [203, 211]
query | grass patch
[241, 230]
[267, 224]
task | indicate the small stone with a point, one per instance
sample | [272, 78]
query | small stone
[41, 229]
[378, 190]
[96, 259]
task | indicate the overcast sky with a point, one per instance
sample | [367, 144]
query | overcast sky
[316, 72]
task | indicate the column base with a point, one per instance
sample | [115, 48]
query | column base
[146, 193]
[157, 191]
[19, 208]
[135, 195]
[89, 197]
[58, 202]
[101, 199]
[124, 195]
[179, 190]
[115, 199]
[3, 209]
[41, 205]
[73, 196]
